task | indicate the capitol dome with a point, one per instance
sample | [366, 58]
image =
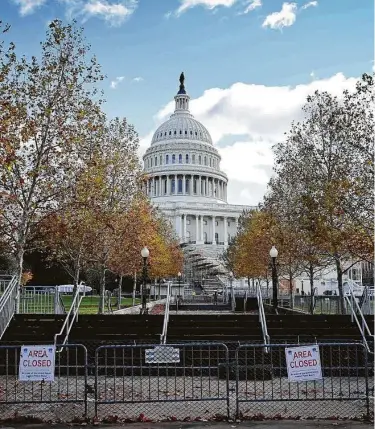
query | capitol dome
[183, 178]
[181, 126]
[182, 163]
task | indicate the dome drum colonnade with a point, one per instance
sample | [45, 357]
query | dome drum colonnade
[183, 178]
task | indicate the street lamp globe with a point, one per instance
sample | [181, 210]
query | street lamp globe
[179, 274]
[273, 252]
[231, 274]
[145, 253]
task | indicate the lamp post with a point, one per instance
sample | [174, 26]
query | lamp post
[273, 255]
[233, 299]
[145, 253]
[179, 283]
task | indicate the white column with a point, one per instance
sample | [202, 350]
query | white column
[196, 228]
[207, 190]
[178, 226]
[175, 184]
[202, 238]
[225, 231]
[236, 224]
[213, 230]
[184, 184]
[185, 238]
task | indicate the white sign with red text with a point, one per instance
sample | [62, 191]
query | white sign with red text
[37, 363]
[303, 363]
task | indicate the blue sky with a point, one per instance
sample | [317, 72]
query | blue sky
[216, 44]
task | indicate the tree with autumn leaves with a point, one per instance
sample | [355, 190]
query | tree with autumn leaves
[320, 200]
[69, 177]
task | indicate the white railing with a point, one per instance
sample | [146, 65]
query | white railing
[70, 318]
[163, 336]
[357, 315]
[262, 319]
[8, 302]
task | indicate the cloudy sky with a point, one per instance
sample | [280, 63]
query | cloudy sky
[249, 64]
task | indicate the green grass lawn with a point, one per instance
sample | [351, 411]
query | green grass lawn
[89, 304]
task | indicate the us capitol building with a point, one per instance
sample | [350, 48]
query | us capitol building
[183, 179]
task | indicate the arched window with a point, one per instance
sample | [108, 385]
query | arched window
[187, 190]
[205, 237]
[193, 158]
[173, 159]
[205, 160]
[216, 237]
[156, 161]
[210, 162]
[173, 185]
[200, 160]
[180, 159]
[180, 131]
[170, 133]
[187, 158]
[179, 189]
[185, 133]
[175, 132]
[167, 159]
[151, 162]
[161, 159]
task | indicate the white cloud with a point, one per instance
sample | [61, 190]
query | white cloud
[209, 4]
[254, 118]
[253, 4]
[285, 18]
[28, 6]
[309, 4]
[116, 81]
[137, 79]
[114, 13]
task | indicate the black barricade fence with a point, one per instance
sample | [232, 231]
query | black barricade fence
[162, 382]
[63, 399]
[191, 380]
[265, 390]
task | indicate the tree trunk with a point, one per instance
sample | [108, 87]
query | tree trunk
[311, 275]
[102, 292]
[119, 294]
[20, 256]
[134, 287]
[76, 278]
[291, 290]
[339, 284]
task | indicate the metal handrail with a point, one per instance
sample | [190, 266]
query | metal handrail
[71, 317]
[362, 325]
[262, 318]
[8, 304]
[163, 336]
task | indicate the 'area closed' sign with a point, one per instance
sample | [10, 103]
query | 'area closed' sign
[303, 363]
[37, 363]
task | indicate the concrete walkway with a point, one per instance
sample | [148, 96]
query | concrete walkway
[283, 424]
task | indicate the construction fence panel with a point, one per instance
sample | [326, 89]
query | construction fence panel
[162, 382]
[263, 389]
[63, 399]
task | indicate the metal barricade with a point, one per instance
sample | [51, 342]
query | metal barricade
[64, 399]
[263, 388]
[162, 382]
